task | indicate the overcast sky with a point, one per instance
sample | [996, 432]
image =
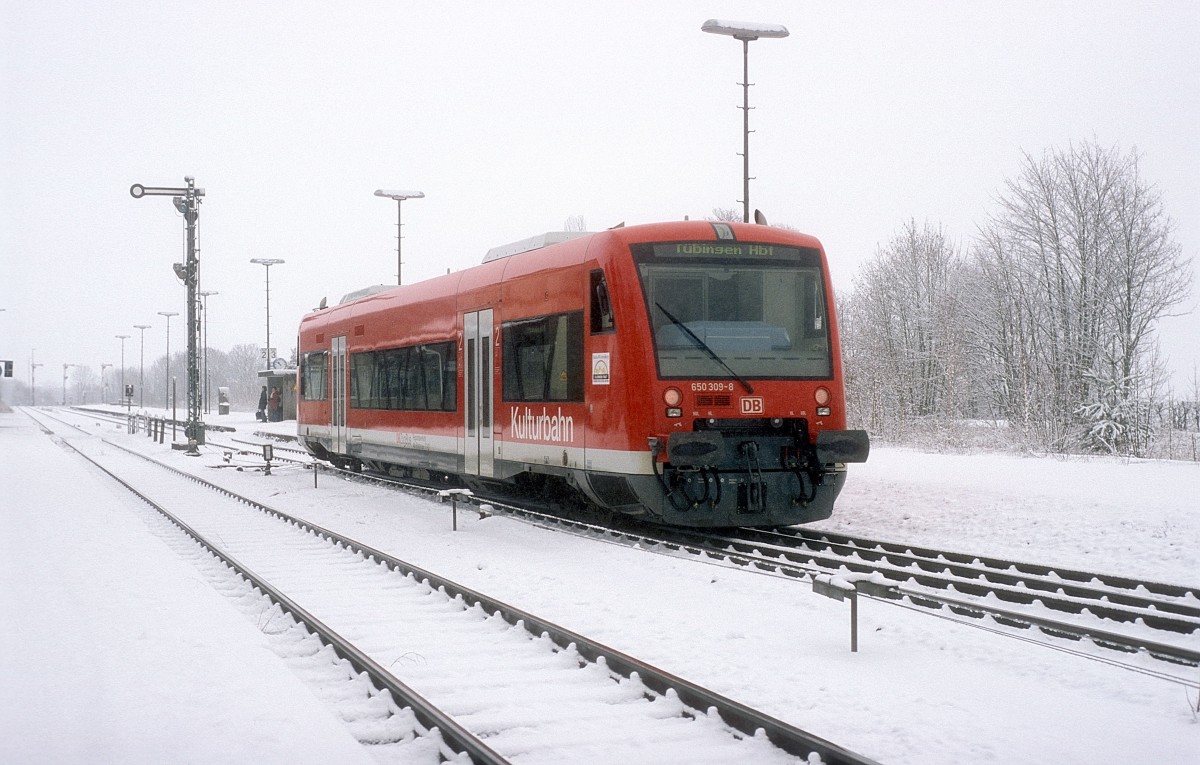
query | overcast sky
[514, 117]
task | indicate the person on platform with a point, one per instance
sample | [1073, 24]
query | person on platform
[275, 406]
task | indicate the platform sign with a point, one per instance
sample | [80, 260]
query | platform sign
[6, 367]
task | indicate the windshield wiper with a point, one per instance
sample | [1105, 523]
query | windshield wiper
[704, 346]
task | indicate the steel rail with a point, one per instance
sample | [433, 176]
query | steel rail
[105, 413]
[246, 450]
[971, 581]
[1000, 565]
[457, 738]
[738, 716]
[809, 567]
[803, 566]
[1103, 638]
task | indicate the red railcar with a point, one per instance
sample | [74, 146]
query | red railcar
[689, 372]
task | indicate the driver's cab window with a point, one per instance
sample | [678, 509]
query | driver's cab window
[602, 319]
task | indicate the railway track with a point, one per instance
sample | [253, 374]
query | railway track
[219, 437]
[1161, 601]
[1154, 618]
[517, 686]
[1112, 612]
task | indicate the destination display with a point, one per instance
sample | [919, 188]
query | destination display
[729, 250]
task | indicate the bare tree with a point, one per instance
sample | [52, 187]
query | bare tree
[241, 376]
[726, 214]
[1150, 276]
[1075, 270]
[902, 330]
[575, 223]
[85, 384]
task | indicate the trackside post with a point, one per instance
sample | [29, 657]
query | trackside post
[843, 588]
[839, 589]
[453, 495]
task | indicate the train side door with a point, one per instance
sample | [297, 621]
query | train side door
[477, 384]
[337, 368]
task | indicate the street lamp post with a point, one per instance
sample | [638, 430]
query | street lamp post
[141, 368]
[103, 387]
[167, 395]
[33, 378]
[268, 262]
[65, 368]
[399, 196]
[187, 202]
[205, 295]
[745, 31]
[123, 338]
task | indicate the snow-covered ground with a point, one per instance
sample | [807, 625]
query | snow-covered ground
[115, 651]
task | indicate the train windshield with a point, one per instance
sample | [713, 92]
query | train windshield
[736, 311]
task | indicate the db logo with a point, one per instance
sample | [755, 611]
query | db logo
[753, 405]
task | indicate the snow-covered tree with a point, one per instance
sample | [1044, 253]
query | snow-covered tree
[902, 330]
[726, 214]
[1075, 269]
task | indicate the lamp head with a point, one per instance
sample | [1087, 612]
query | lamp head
[399, 196]
[744, 30]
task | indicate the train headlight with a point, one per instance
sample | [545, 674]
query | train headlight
[672, 397]
[822, 396]
[776, 422]
[824, 411]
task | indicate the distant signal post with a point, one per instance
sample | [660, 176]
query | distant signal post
[187, 201]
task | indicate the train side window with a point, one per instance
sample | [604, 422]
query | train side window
[485, 402]
[362, 380]
[472, 394]
[543, 358]
[602, 319]
[314, 376]
[448, 363]
[439, 369]
[414, 378]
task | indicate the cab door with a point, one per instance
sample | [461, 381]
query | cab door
[479, 444]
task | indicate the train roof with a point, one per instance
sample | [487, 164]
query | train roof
[532, 243]
[697, 230]
[350, 297]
